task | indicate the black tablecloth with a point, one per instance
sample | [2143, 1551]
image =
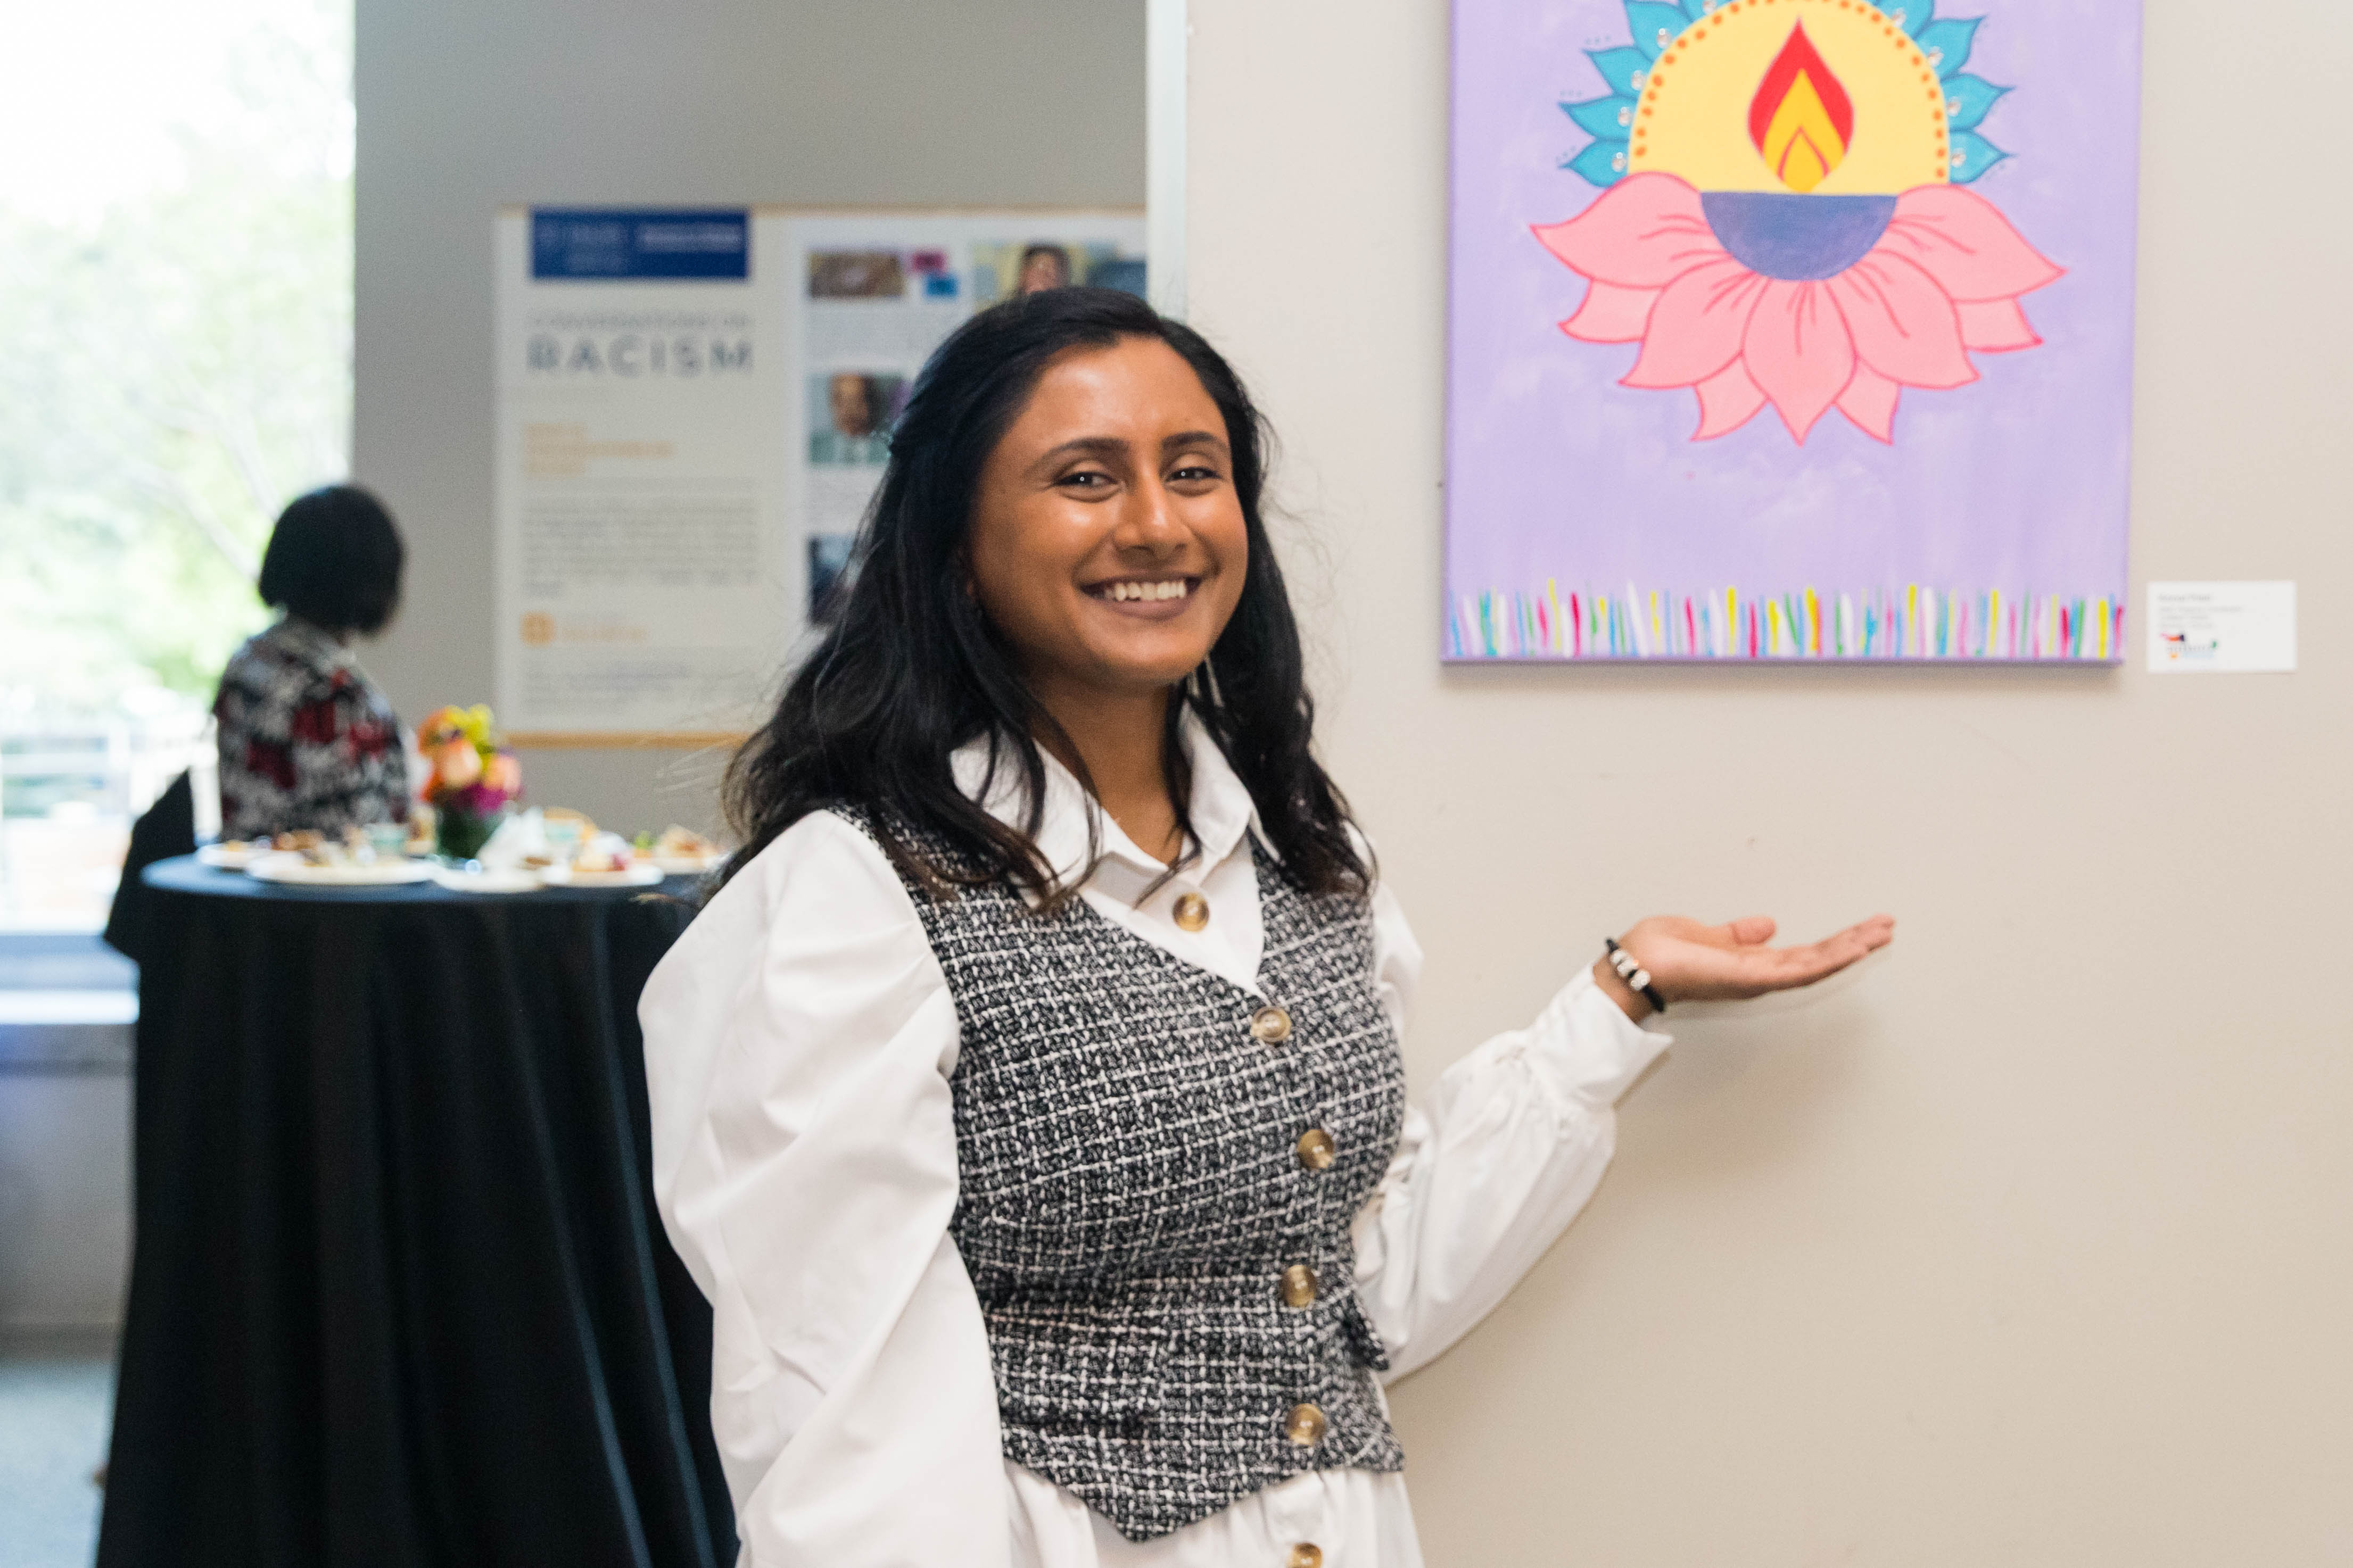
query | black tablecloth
[399, 1295]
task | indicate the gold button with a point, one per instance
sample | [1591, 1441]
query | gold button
[1192, 912]
[1298, 1285]
[1306, 1554]
[1270, 1025]
[1305, 1425]
[1316, 1150]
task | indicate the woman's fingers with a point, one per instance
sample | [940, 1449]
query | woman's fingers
[1819, 961]
[1689, 960]
[1732, 960]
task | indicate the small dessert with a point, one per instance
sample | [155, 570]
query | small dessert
[677, 843]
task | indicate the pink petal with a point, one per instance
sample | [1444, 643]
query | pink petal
[1995, 326]
[1961, 240]
[1643, 231]
[1870, 400]
[1904, 326]
[1727, 400]
[1799, 352]
[1611, 314]
[1697, 326]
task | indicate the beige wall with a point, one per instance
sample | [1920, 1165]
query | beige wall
[2029, 1245]
[464, 108]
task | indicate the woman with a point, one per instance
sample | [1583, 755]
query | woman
[306, 740]
[1027, 1100]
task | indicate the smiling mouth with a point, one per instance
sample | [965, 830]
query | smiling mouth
[1144, 590]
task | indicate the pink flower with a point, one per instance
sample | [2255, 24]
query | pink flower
[1941, 281]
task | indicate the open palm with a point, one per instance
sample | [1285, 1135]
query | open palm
[1690, 962]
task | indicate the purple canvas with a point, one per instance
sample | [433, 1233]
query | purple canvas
[1790, 329]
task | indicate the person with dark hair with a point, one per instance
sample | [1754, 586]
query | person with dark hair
[1028, 1099]
[306, 740]
[1043, 265]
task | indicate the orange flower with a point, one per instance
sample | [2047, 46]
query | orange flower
[456, 764]
[503, 774]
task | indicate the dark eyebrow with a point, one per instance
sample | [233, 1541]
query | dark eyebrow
[1105, 446]
[1110, 447]
[1193, 439]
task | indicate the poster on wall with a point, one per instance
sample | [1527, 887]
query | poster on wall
[639, 484]
[1790, 329]
[874, 293]
[693, 411]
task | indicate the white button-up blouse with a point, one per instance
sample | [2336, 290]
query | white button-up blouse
[799, 1040]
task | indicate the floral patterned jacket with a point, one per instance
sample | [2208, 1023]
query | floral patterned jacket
[306, 740]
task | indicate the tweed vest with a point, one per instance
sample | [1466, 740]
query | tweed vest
[1141, 1186]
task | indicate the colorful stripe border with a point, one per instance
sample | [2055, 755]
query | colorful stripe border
[1910, 623]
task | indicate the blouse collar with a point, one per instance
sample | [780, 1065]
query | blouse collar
[1221, 812]
[314, 646]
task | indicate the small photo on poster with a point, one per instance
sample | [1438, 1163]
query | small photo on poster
[1031, 266]
[850, 413]
[856, 274]
[934, 277]
[829, 567]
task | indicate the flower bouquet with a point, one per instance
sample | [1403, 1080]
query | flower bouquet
[474, 780]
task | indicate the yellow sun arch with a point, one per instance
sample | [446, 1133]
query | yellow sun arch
[1693, 119]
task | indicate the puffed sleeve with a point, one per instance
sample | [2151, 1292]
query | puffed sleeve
[1494, 1161]
[798, 1040]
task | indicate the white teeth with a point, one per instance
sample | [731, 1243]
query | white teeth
[1176, 588]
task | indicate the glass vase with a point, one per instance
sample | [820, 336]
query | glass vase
[458, 835]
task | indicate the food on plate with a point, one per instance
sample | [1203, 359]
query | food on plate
[562, 819]
[676, 843]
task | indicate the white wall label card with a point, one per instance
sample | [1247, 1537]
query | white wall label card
[2221, 628]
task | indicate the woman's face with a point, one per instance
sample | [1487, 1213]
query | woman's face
[1108, 545]
[1044, 270]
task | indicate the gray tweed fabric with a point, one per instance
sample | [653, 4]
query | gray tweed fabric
[1131, 1192]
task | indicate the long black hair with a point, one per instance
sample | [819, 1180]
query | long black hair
[911, 668]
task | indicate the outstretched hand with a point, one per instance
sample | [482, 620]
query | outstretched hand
[1694, 962]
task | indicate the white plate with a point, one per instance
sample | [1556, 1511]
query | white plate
[688, 865]
[292, 870]
[459, 882]
[227, 858]
[638, 876]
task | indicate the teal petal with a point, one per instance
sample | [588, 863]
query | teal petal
[1654, 26]
[1624, 69]
[1695, 9]
[1969, 98]
[1603, 163]
[1946, 44]
[1972, 156]
[1910, 14]
[1605, 118]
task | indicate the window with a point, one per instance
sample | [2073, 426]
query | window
[175, 309]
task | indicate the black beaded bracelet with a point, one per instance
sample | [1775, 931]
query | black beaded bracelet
[1634, 975]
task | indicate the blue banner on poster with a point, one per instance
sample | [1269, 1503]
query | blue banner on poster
[591, 242]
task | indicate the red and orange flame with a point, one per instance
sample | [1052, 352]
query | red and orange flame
[1800, 119]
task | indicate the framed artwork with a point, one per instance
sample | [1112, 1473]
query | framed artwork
[1790, 329]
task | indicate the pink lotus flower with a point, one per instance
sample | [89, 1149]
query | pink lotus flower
[1942, 280]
